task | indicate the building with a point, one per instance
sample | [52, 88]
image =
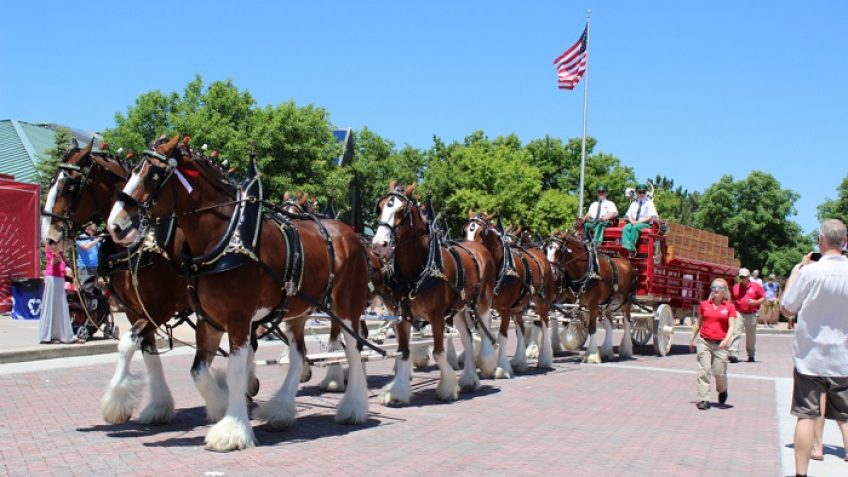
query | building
[24, 144]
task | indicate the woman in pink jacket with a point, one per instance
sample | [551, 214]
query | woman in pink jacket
[55, 323]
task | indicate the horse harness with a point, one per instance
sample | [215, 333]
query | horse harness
[592, 276]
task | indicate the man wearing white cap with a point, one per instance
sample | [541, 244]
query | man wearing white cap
[747, 297]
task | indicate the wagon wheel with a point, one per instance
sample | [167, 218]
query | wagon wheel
[641, 331]
[663, 329]
[574, 335]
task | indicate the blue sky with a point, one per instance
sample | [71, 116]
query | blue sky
[690, 90]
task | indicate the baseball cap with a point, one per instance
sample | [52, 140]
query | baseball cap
[641, 188]
[744, 272]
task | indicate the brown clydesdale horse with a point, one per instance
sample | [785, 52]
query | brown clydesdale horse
[248, 289]
[85, 188]
[601, 283]
[524, 276]
[435, 281]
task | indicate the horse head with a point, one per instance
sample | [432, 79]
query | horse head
[396, 213]
[150, 188]
[82, 188]
[478, 226]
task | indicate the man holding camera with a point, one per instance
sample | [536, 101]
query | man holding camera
[817, 291]
[747, 297]
[598, 217]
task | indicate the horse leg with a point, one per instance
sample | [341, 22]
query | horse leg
[519, 361]
[252, 380]
[210, 382]
[280, 412]
[532, 341]
[398, 392]
[556, 340]
[504, 370]
[234, 431]
[468, 381]
[546, 353]
[160, 409]
[488, 360]
[450, 349]
[353, 409]
[607, 353]
[305, 368]
[592, 355]
[447, 390]
[123, 394]
[334, 381]
[420, 353]
[625, 349]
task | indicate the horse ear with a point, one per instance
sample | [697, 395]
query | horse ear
[74, 143]
[392, 185]
[470, 212]
[169, 146]
[410, 189]
[488, 216]
[85, 152]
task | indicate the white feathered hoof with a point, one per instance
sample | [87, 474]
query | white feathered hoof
[469, 382]
[592, 358]
[420, 356]
[394, 397]
[230, 434]
[447, 390]
[354, 408]
[450, 350]
[277, 417]
[334, 381]
[157, 413]
[504, 373]
[532, 351]
[119, 402]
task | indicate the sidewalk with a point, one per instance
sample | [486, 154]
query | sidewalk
[19, 340]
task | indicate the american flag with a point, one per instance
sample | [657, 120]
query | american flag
[571, 65]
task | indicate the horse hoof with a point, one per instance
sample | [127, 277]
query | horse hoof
[447, 394]
[392, 400]
[502, 373]
[592, 359]
[253, 387]
[230, 434]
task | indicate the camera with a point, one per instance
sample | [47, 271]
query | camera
[815, 256]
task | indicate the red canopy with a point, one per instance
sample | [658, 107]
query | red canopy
[19, 236]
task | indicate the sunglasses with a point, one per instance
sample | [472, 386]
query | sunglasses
[718, 288]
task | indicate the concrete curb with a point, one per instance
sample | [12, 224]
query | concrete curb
[48, 351]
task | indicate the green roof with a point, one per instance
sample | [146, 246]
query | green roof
[23, 144]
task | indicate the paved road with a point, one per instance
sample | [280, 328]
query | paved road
[634, 418]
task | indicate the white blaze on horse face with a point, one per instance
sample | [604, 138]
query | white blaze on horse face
[471, 232]
[551, 252]
[48, 230]
[383, 238]
[118, 217]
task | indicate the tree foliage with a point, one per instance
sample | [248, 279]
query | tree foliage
[836, 208]
[675, 204]
[49, 160]
[755, 214]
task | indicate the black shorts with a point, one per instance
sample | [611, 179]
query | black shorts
[807, 392]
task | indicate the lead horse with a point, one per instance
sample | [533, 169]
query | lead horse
[85, 188]
[600, 283]
[248, 267]
[435, 281]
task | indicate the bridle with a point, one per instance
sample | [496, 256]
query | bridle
[482, 223]
[74, 187]
[406, 217]
[156, 178]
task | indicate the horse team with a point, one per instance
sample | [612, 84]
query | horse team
[238, 262]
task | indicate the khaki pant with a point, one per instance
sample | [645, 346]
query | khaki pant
[711, 360]
[749, 322]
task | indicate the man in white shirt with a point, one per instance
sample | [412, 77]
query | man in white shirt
[598, 217]
[640, 215]
[817, 291]
[755, 278]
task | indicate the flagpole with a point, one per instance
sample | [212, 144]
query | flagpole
[585, 112]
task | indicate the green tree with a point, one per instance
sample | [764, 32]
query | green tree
[49, 160]
[674, 204]
[755, 214]
[295, 146]
[836, 208]
[376, 163]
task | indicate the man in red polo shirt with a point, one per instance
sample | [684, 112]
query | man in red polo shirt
[747, 297]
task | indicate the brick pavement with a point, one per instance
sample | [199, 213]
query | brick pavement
[626, 418]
